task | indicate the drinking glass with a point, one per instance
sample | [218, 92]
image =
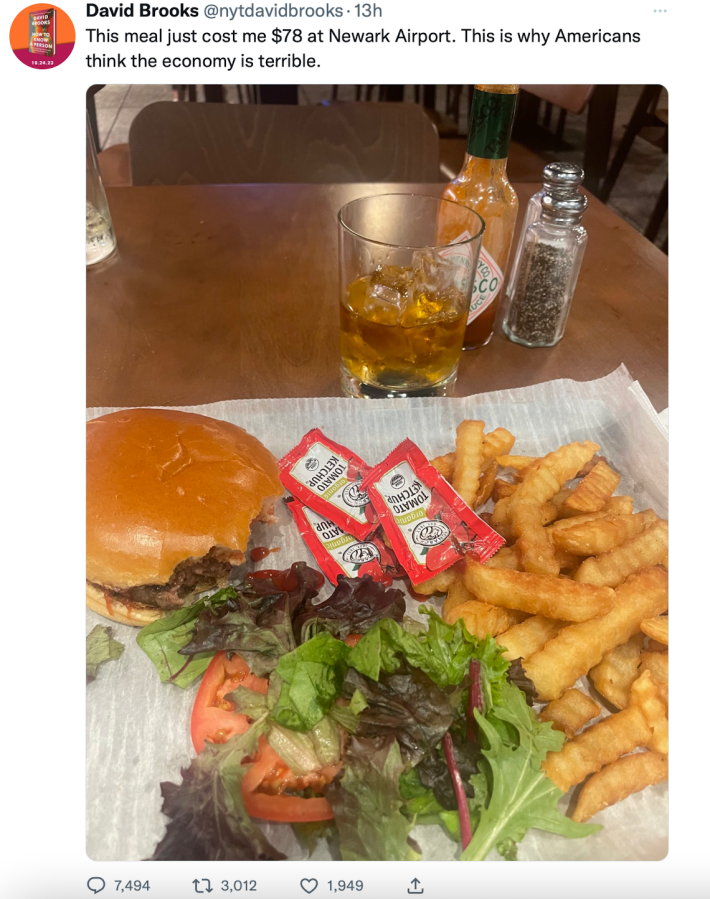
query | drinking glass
[100, 239]
[404, 295]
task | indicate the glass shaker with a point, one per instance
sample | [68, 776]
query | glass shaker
[100, 239]
[551, 252]
[560, 178]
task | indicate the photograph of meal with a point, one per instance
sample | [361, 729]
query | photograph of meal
[376, 482]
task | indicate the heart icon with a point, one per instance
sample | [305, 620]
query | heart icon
[309, 884]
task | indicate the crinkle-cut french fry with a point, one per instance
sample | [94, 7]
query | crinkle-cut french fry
[567, 561]
[617, 781]
[537, 594]
[657, 664]
[507, 557]
[574, 521]
[561, 496]
[503, 488]
[469, 460]
[610, 569]
[528, 637]
[479, 618]
[646, 696]
[517, 462]
[538, 487]
[570, 712]
[591, 538]
[599, 745]
[579, 647]
[444, 465]
[656, 628]
[440, 583]
[619, 505]
[496, 443]
[617, 671]
[594, 490]
[485, 484]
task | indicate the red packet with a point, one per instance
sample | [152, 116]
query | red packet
[429, 526]
[339, 553]
[328, 477]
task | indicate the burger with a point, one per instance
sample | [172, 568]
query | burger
[170, 500]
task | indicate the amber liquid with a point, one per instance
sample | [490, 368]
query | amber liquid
[408, 344]
[482, 185]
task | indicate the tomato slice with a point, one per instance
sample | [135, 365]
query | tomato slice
[264, 783]
[212, 715]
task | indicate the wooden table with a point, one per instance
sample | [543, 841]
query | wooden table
[226, 292]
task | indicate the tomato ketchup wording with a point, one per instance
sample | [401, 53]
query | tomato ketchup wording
[337, 552]
[428, 524]
[328, 478]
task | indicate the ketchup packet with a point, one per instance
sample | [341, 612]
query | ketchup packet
[428, 524]
[327, 477]
[339, 553]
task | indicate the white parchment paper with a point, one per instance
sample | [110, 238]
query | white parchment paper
[138, 728]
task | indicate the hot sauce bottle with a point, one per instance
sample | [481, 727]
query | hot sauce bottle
[483, 185]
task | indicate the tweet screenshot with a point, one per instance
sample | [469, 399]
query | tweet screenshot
[352, 425]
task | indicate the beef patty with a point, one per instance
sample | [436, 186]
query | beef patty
[191, 576]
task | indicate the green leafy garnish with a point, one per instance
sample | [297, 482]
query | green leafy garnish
[162, 641]
[368, 806]
[100, 647]
[519, 796]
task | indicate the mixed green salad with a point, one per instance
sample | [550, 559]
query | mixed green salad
[351, 722]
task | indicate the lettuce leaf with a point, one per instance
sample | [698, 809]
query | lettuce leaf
[356, 604]
[256, 622]
[406, 705]
[207, 818]
[162, 641]
[367, 804]
[100, 647]
[312, 679]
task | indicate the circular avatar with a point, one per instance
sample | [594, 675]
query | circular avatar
[42, 36]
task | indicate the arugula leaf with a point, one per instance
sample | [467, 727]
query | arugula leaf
[356, 604]
[312, 679]
[162, 641]
[208, 821]
[406, 705]
[367, 804]
[521, 795]
[100, 647]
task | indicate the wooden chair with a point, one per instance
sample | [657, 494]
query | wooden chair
[218, 143]
[600, 102]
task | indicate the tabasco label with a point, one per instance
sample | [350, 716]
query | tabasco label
[486, 285]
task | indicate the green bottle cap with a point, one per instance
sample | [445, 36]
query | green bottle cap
[491, 124]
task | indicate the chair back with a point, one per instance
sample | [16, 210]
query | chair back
[219, 143]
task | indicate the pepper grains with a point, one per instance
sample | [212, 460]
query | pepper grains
[540, 294]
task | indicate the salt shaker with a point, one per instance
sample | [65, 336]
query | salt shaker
[551, 252]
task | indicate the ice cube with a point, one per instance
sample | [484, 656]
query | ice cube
[432, 273]
[383, 304]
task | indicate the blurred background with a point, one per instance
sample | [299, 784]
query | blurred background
[618, 133]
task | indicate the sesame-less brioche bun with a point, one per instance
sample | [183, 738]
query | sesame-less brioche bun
[163, 487]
